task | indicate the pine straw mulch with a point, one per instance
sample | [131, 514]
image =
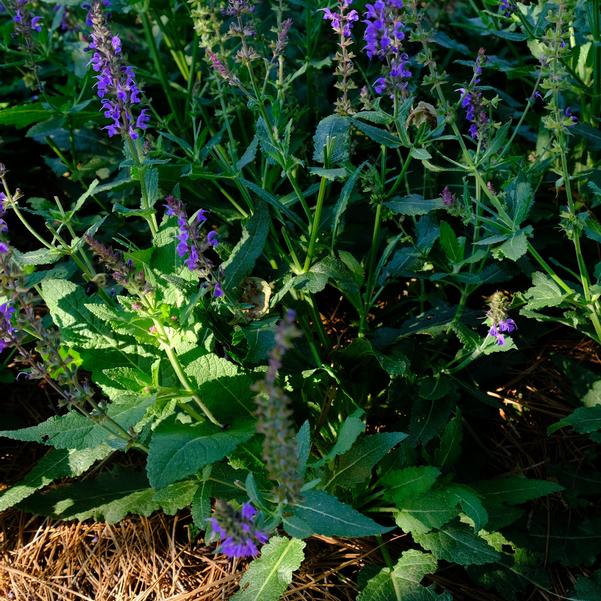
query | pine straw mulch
[155, 559]
[150, 559]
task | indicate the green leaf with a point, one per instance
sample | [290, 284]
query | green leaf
[201, 504]
[109, 497]
[222, 386]
[584, 420]
[23, 115]
[343, 200]
[450, 442]
[515, 247]
[587, 589]
[458, 543]
[431, 510]
[414, 204]
[178, 450]
[402, 583]
[355, 465]
[470, 504]
[514, 490]
[543, 293]
[76, 431]
[519, 197]
[381, 136]
[250, 247]
[431, 409]
[350, 430]
[409, 482]
[453, 247]
[332, 139]
[269, 575]
[176, 496]
[58, 463]
[320, 513]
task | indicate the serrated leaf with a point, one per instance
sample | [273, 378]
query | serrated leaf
[409, 482]
[333, 134]
[178, 450]
[269, 575]
[356, 465]
[458, 543]
[23, 115]
[76, 431]
[413, 204]
[320, 513]
[350, 430]
[587, 589]
[515, 247]
[176, 496]
[431, 510]
[453, 247]
[401, 583]
[513, 490]
[223, 387]
[543, 293]
[470, 504]
[377, 134]
[519, 198]
[584, 420]
[450, 442]
[250, 247]
[201, 504]
[109, 497]
[58, 463]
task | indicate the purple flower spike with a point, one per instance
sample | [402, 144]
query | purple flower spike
[384, 36]
[7, 331]
[115, 82]
[237, 530]
[192, 243]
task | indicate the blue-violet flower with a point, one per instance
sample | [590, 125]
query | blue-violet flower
[116, 83]
[384, 35]
[192, 244]
[7, 330]
[237, 530]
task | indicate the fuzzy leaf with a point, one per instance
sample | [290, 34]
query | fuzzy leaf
[458, 543]
[584, 420]
[269, 575]
[76, 431]
[355, 465]
[409, 482]
[250, 247]
[333, 134]
[320, 513]
[58, 463]
[402, 583]
[179, 450]
[514, 490]
[419, 515]
[414, 204]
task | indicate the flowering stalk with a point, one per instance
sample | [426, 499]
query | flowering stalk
[342, 23]
[116, 84]
[192, 244]
[471, 101]
[237, 530]
[274, 419]
[384, 35]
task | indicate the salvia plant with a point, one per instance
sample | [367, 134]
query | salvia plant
[286, 258]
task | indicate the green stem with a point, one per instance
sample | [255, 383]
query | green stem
[371, 269]
[315, 225]
[181, 375]
[158, 64]
[596, 31]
